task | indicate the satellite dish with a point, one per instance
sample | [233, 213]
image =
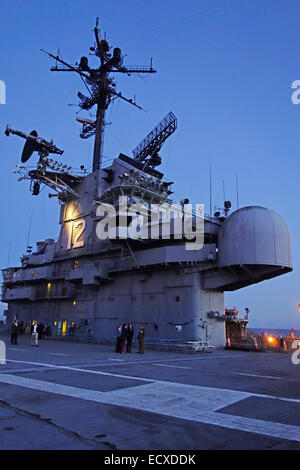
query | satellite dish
[29, 147]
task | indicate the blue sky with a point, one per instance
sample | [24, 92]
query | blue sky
[225, 68]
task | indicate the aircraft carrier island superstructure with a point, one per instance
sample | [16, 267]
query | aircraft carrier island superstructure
[95, 284]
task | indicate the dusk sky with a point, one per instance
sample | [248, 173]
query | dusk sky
[225, 68]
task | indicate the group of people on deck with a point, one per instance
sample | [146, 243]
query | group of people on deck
[36, 330]
[125, 334]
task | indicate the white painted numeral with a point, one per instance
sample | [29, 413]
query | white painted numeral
[74, 234]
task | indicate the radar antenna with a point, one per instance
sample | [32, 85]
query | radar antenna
[101, 87]
[151, 145]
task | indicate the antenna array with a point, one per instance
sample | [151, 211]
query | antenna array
[101, 87]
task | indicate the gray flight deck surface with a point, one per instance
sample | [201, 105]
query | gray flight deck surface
[64, 395]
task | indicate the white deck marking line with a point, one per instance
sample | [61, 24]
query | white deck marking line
[261, 376]
[287, 379]
[169, 365]
[181, 401]
[27, 370]
[88, 371]
[144, 379]
[256, 426]
[60, 354]
[17, 349]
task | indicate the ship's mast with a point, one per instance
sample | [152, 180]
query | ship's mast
[101, 88]
[100, 123]
[102, 104]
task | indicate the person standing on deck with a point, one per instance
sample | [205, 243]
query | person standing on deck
[118, 343]
[34, 334]
[14, 332]
[123, 338]
[130, 333]
[141, 339]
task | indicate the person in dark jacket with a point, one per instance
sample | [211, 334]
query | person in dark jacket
[40, 330]
[118, 343]
[21, 327]
[123, 338]
[14, 333]
[141, 338]
[130, 333]
[48, 331]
